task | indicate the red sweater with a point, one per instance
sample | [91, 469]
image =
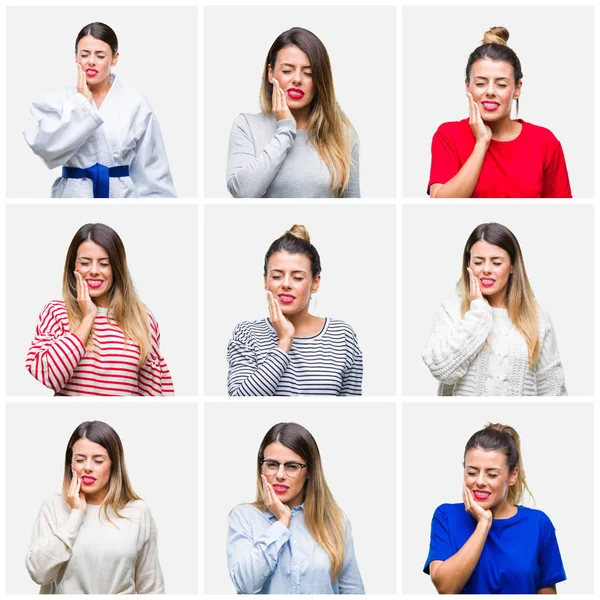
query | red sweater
[59, 360]
[530, 166]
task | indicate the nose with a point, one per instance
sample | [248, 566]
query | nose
[286, 282]
[490, 91]
[297, 77]
[487, 267]
[94, 268]
[280, 473]
[480, 480]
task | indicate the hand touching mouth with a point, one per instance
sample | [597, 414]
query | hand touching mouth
[295, 93]
[286, 298]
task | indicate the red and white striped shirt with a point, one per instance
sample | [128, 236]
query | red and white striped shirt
[58, 359]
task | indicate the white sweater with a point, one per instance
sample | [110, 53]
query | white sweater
[459, 357]
[73, 553]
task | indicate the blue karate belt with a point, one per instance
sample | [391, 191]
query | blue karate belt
[99, 174]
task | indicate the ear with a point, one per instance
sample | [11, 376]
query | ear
[115, 59]
[466, 85]
[513, 477]
[315, 284]
[518, 90]
[265, 281]
[269, 72]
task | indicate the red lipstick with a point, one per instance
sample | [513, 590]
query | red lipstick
[280, 489]
[295, 93]
[286, 298]
[87, 480]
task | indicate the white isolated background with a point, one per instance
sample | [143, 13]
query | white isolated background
[161, 243]
[557, 448]
[160, 441]
[157, 57]
[236, 42]
[357, 246]
[359, 462]
[555, 47]
[557, 242]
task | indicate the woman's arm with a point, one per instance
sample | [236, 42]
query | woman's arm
[154, 377]
[51, 544]
[451, 575]
[149, 169]
[55, 351]
[148, 573]
[252, 561]
[59, 125]
[350, 580]
[547, 590]
[463, 183]
[452, 346]
[549, 373]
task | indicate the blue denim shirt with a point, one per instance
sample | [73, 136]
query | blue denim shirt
[266, 557]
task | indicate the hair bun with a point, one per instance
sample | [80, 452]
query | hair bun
[496, 35]
[300, 232]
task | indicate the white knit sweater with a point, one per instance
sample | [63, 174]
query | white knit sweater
[459, 357]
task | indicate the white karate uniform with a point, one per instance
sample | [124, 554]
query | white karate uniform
[65, 129]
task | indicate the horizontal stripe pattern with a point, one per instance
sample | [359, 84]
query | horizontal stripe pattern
[58, 359]
[327, 364]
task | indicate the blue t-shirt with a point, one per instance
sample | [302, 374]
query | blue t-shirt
[520, 554]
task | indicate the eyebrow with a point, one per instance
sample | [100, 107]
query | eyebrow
[486, 78]
[291, 65]
[281, 271]
[488, 469]
[493, 257]
[88, 258]
[93, 455]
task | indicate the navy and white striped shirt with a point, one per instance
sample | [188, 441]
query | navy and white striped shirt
[326, 364]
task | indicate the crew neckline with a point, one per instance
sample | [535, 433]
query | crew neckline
[304, 339]
[514, 139]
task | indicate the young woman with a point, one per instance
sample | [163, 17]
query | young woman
[293, 352]
[490, 155]
[104, 134]
[489, 543]
[494, 340]
[99, 536]
[100, 339]
[294, 539]
[302, 145]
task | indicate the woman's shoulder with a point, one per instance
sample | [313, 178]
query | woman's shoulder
[55, 308]
[542, 134]
[454, 128]
[55, 504]
[247, 512]
[255, 122]
[252, 328]
[56, 97]
[449, 510]
[535, 517]
[337, 326]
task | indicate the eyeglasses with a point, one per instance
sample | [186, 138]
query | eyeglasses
[292, 469]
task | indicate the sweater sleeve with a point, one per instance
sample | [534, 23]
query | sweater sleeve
[353, 189]
[150, 168]
[249, 175]
[58, 127]
[452, 346]
[353, 375]
[51, 544]
[350, 581]
[148, 573]
[549, 373]
[154, 377]
[252, 561]
[556, 177]
[55, 351]
[246, 376]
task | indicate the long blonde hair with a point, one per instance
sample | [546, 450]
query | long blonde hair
[120, 491]
[125, 309]
[329, 130]
[324, 518]
[505, 439]
[520, 300]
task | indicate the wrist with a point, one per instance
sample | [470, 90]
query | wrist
[285, 520]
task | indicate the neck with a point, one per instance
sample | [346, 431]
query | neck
[504, 510]
[504, 128]
[101, 302]
[96, 498]
[301, 116]
[100, 89]
[301, 319]
[497, 300]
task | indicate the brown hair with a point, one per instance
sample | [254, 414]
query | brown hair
[329, 129]
[119, 492]
[124, 307]
[324, 518]
[505, 439]
[520, 299]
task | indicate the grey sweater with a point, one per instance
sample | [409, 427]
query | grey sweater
[272, 159]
